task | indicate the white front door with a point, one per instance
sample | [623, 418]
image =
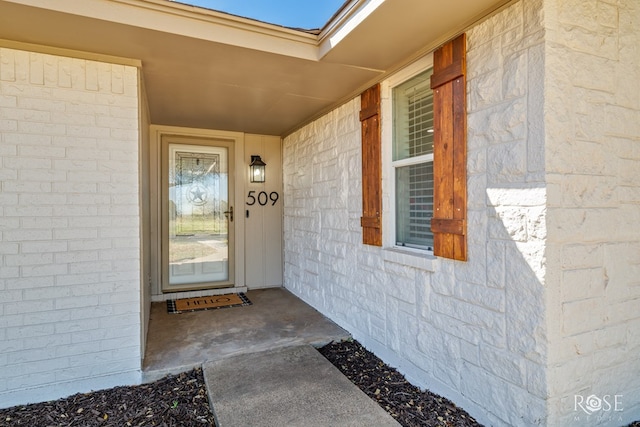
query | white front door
[197, 213]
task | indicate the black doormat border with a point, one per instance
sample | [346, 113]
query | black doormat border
[171, 304]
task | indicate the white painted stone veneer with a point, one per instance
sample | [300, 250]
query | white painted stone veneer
[592, 132]
[472, 331]
[498, 333]
[69, 226]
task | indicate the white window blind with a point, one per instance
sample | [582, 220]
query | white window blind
[413, 161]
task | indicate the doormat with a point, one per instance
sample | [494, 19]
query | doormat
[207, 303]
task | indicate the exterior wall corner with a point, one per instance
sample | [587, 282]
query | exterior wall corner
[69, 226]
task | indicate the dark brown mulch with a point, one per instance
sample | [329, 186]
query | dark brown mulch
[181, 400]
[409, 405]
[177, 400]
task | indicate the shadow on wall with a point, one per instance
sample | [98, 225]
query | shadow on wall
[581, 383]
[498, 306]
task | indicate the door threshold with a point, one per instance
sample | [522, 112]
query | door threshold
[198, 293]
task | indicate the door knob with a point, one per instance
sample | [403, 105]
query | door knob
[229, 214]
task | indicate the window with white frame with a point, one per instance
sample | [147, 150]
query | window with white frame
[423, 136]
[412, 161]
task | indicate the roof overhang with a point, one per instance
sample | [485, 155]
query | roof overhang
[208, 69]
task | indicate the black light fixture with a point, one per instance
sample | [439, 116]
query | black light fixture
[257, 169]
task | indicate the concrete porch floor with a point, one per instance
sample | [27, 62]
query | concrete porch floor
[276, 318]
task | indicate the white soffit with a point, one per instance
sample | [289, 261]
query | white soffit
[212, 70]
[378, 34]
[189, 21]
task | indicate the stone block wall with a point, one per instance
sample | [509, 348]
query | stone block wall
[472, 331]
[593, 169]
[69, 226]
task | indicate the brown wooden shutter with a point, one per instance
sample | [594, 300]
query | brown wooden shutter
[449, 223]
[371, 220]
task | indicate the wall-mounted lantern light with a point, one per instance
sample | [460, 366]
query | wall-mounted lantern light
[257, 169]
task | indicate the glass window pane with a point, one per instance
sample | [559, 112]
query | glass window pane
[198, 196]
[414, 205]
[413, 117]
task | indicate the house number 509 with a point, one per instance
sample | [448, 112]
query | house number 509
[263, 198]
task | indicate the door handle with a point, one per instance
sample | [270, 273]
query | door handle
[229, 214]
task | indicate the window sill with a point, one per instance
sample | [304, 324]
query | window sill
[411, 257]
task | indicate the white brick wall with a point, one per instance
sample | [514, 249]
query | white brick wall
[69, 221]
[594, 207]
[473, 331]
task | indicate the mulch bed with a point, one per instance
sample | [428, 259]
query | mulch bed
[177, 400]
[181, 400]
[409, 405]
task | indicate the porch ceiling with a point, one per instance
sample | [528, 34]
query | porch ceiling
[210, 70]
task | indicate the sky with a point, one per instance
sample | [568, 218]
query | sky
[306, 14]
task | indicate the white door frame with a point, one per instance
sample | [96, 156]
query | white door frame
[237, 140]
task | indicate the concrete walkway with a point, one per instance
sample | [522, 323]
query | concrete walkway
[288, 386]
[260, 363]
